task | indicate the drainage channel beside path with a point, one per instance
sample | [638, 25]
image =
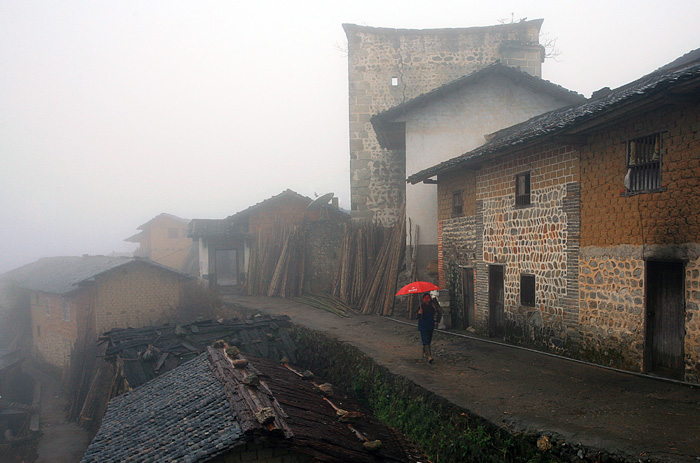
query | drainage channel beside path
[523, 391]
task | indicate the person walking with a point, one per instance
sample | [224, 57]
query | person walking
[429, 316]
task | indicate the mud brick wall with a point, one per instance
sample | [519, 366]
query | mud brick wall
[419, 60]
[618, 232]
[53, 336]
[136, 296]
[540, 239]
[672, 216]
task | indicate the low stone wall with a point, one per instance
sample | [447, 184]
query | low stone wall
[446, 432]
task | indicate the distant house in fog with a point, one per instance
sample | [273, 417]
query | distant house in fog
[75, 298]
[224, 244]
[164, 240]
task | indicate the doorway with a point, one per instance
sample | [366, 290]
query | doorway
[466, 317]
[496, 301]
[665, 318]
[226, 267]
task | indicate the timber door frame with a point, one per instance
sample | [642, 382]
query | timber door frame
[467, 316]
[657, 287]
[497, 313]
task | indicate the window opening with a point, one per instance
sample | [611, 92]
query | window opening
[643, 164]
[457, 203]
[66, 310]
[522, 189]
[527, 289]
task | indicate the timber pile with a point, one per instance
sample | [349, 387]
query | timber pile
[361, 244]
[379, 292]
[277, 261]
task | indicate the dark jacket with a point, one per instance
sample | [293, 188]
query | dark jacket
[431, 313]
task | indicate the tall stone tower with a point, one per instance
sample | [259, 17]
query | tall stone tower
[387, 67]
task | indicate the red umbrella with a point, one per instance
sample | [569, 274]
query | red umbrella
[417, 287]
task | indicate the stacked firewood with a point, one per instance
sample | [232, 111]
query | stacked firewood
[277, 261]
[369, 265]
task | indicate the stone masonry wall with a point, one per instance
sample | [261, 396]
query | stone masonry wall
[135, 295]
[535, 240]
[419, 61]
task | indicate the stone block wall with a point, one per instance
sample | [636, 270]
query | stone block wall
[541, 239]
[387, 67]
[135, 295]
[612, 307]
[692, 320]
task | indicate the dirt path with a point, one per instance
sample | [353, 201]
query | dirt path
[61, 441]
[523, 390]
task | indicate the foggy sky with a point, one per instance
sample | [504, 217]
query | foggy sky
[112, 112]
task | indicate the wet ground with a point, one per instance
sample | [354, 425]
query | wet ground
[524, 391]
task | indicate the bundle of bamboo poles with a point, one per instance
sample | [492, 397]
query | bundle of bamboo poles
[277, 261]
[378, 295]
[361, 244]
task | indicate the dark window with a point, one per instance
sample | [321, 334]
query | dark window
[173, 232]
[522, 189]
[457, 203]
[527, 289]
[643, 164]
[38, 331]
[47, 308]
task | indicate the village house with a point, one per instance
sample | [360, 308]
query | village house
[225, 244]
[223, 407]
[388, 67]
[164, 239]
[73, 299]
[454, 119]
[578, 230]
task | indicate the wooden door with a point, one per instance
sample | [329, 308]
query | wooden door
[665, 318]
[466, 318]
[496, 301]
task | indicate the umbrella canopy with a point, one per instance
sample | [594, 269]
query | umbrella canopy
[417, 287]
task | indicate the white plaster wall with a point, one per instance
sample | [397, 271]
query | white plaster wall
[203, 260]
[456, 124]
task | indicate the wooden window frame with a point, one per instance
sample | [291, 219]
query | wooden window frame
[457, 203]
[523, 198]
[643, 158]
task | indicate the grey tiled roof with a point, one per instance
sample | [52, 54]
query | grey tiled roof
[181, 416]
[559, 121]
[522, 78]
[61, 275]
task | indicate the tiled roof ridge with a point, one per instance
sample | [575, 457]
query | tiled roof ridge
[493, 68]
